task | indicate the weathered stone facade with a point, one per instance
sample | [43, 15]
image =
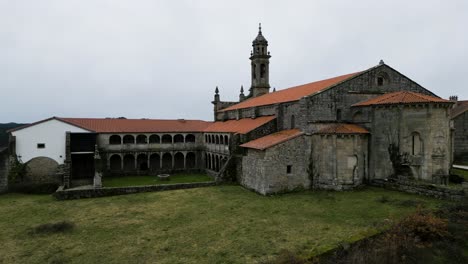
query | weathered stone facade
[281, 168]
[421, 134]
[338, 161]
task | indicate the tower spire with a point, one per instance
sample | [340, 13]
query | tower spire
[260, 62]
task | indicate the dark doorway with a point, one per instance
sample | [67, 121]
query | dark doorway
[82, 166]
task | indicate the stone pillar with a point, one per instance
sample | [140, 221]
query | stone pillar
[97, 169]
[67, 162]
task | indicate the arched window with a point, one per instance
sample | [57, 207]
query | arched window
[382, 79]
[416, 148]
[141, 139]
[142, 162]
[217, 139]
[154, 139]
[179, 160]
[167, 161]
[338, 114]
[190, 160]
[221, 140]
[115, 140]
[178, 138]
[167, 139]
[226, 140]
[129, 139]
[155, 160]
[129, 162]
[212, 139]
[293, 121]
[115, 163]
[212, 167]
[190, 138]
[357, 117]
[254, 71]
[262, 70]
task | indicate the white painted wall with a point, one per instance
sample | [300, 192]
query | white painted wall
[52, 133]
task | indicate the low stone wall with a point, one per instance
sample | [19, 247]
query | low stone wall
[63, 194]
[436, 191]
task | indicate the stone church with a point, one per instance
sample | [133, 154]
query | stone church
[336, 133]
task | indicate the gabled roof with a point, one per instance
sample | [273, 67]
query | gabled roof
[118, 125]
[241, 126]
[460, 108]
[402, 97]
[290, 94]
[272, 139]
[342, 129]
[296, 93]
[43, 121]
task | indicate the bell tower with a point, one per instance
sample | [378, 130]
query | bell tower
[260, 64]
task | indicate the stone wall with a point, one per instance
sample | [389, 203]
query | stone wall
[267, 171]
[62, 194]
[461, 139]
[422, 133]
[436, 191]
[3, 170]
[326, 105]
[339, 161]
[41, 170]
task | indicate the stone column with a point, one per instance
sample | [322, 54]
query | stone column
[67, 162]
[97, 169]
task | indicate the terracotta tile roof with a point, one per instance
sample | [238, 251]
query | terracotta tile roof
[402, 97]
[290, 94]
[241, 126]
[342, 129]
[272, 139]
[460, 108]
[116, 125]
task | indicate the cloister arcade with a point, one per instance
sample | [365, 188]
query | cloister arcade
[148, 161]
[215, 162]
[151, 139]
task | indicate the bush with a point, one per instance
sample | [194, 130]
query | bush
[456, 179]
[52, 228]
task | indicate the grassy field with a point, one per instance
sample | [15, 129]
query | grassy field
[153, 180]
[222, 224]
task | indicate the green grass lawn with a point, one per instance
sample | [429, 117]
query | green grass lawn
[221, 224]
[153, 180]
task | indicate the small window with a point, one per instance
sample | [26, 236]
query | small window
[338, 114]
[40, 145]
[289, 169]
[380, 81]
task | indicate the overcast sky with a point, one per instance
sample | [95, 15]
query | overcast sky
[163, 59]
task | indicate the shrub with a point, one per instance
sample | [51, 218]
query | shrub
[41, 188]
[456, 179]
